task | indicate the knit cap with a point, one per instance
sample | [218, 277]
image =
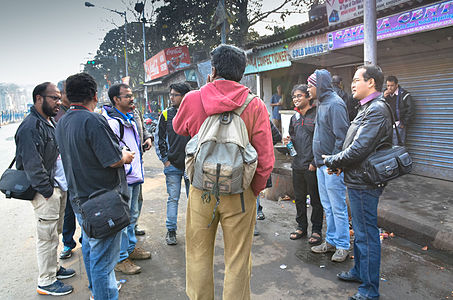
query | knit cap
[312, 79]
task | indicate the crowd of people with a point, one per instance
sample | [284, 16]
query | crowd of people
[69, 152]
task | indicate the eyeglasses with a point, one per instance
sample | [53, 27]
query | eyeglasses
[298, 96]
[128, 96]
[54, 98]
[174, 95]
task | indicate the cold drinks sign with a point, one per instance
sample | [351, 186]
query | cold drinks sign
[424, 18]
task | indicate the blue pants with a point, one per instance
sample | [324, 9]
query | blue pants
[69, 226]
[332, 193]
[100, 257]
[173, 178]
[128, 238]
[367, 246]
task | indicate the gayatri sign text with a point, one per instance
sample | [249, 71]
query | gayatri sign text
[425, 18]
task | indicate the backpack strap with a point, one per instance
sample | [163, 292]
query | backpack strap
[241, 109]
[121, 129]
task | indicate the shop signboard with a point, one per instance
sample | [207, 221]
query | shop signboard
[167, 61]
[268, 59]
[308, 47]
[342, 10]
[420, 19]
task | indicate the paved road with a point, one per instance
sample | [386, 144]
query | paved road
[407, 271]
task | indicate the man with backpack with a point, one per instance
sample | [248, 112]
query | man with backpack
[221, 101]
[170, 150]
[121, 121]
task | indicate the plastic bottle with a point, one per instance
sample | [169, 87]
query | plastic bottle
[291, 149]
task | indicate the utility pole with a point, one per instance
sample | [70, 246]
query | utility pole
[223, 31]
[370, 38]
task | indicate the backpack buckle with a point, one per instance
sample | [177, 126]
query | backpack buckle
[226, 118]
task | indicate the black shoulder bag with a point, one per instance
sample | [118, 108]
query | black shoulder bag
[388, 162]
[15, 184]
[106, 212]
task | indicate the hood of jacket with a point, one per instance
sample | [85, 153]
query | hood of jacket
[324, 87]
[222, 95]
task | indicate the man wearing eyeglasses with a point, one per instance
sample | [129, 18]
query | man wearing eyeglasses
[170, 148]
[37, 154]
[122, 122]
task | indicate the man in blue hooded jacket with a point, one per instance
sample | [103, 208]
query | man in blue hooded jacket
[331, 125]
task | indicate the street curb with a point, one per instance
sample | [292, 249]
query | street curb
[413, 230]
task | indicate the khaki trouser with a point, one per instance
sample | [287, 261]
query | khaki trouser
[49, 216]
[237, 229]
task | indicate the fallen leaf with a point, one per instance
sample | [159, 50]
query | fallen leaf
[425, 248]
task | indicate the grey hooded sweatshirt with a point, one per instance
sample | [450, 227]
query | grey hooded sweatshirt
[332, 120]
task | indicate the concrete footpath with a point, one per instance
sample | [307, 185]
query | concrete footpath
[417, 208]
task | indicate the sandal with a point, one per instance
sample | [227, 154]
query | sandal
[315, 239]
[297, 235]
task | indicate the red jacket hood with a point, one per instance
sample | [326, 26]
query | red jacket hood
[222, 95]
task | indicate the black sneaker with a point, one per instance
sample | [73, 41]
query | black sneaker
[139, 231]
[65, 273]
[171, 238]
[57, 288]
[260, 215]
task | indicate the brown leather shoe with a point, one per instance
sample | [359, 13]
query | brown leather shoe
[127, 267]
[139, 254]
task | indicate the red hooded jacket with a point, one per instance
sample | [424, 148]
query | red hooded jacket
[225, 95]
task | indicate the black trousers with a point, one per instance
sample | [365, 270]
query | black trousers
[305, 182]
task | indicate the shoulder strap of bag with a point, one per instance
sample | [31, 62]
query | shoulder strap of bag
[12, 163]
[241, 109]
[393, 122]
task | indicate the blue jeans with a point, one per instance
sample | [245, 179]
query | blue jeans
[69, 226]
[100, 257]
[173, 178]
[332, 193]
[259, 208]
[367, 246]
[128, 238]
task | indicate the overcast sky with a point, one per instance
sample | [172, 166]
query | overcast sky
[47, 40]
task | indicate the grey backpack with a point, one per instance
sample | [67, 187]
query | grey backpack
[220, 159]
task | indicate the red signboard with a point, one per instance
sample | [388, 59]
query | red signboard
[167, 61]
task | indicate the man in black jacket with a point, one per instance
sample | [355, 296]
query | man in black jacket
[400, 101]
[301, 129]
[170, 148]
[37, 154]
[371, 128]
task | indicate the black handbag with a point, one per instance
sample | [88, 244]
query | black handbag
[105, 212]
[388, 161]
[15, 184]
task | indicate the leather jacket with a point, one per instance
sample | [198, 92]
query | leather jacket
[37, 151]
[371, 128]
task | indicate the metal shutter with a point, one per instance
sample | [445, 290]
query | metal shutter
[429, 78]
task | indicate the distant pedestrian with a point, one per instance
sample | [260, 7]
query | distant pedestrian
[330, 130]
[92, 161]
[69, 224]
[122, 122]
[236, 214]
[351, 103]
[37, 154]
[402, 106]
[301, 130]
[276, 105]
[170, 148]
[370, 129]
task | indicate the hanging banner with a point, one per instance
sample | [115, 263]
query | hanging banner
[343, 10]
[421, 19]
[268, 59]
[167, 61]
[308, 47]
